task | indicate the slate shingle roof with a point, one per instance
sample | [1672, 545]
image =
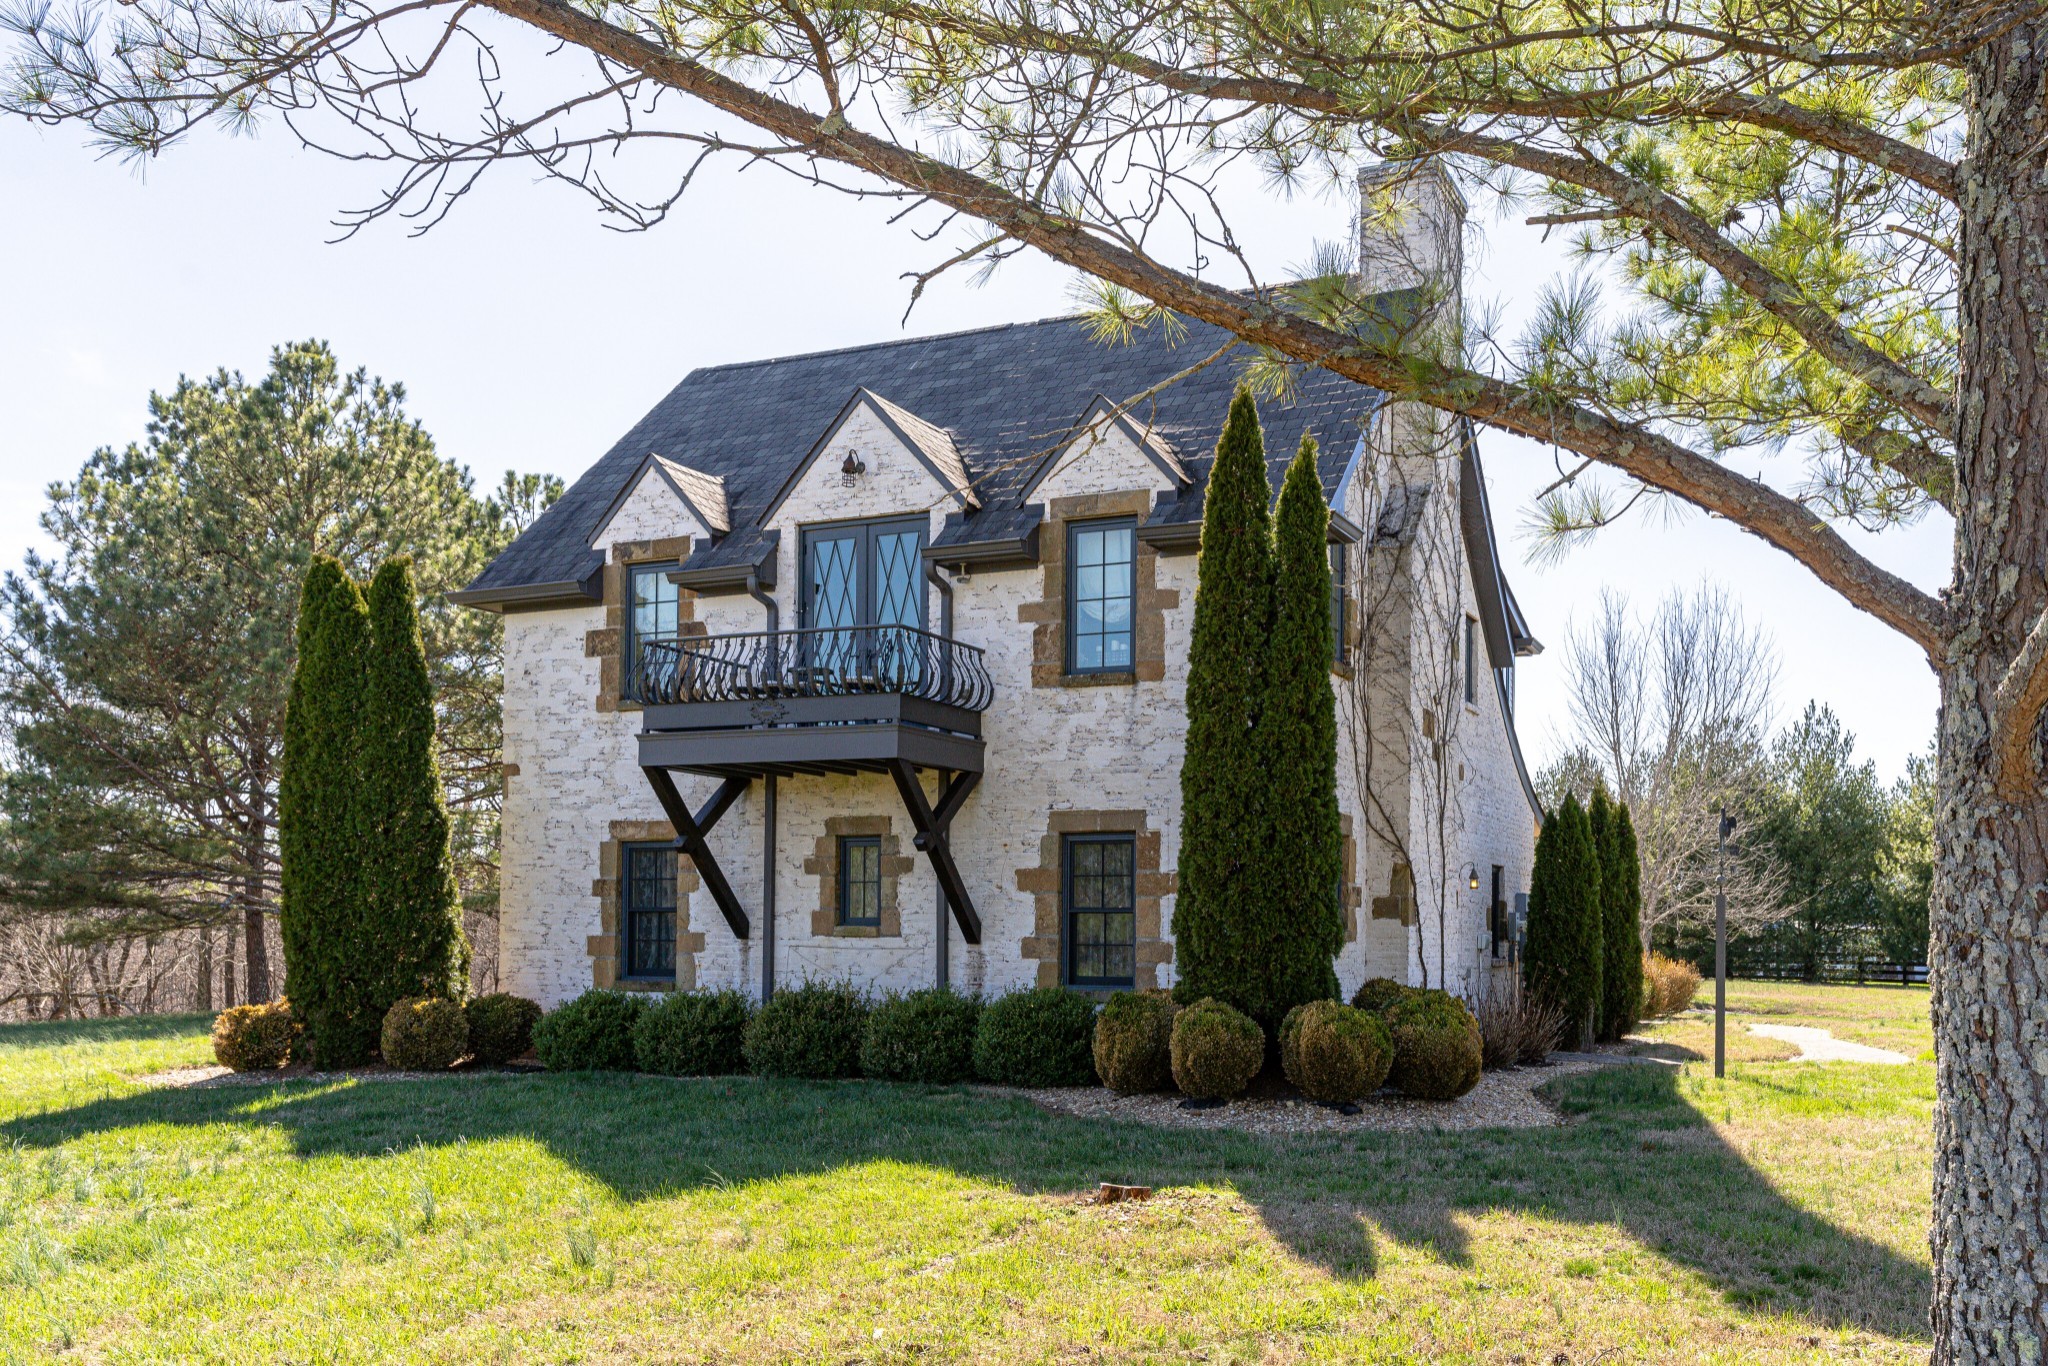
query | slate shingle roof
[1003, 396]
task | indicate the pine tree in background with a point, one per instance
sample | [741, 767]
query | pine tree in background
[1561, 961]
[1300, 927]
[1621, 908]
[1222, 779]
[412, 942]
[322, 821]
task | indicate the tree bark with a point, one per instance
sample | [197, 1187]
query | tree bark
[256, 953]
[1989, 956]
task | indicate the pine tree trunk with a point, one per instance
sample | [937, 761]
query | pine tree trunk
[1989, 956]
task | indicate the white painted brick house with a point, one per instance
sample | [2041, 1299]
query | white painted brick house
[895, 639]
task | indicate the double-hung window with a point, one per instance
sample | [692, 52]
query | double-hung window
[647, 912]
[1099, 886]
[1101, 596]
[860, 880]
[653, 616]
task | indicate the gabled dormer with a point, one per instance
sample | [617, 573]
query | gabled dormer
[1108, 451]
[875, 458]
[662, 500]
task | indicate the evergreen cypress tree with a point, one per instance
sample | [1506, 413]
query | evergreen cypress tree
[1599, 822]
[322, 823]
[1621, 908]
[1561, 961]
[1222, 780]
[412, 942]
[1301, 927]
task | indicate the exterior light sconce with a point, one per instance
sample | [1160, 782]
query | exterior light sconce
[852, 468]
[1472, 876]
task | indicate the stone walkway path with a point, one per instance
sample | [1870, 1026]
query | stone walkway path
[1820, 1045]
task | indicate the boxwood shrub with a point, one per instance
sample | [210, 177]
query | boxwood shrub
[500, 1026]
[693, 1034]
[1437, 1046]
[1335, 1053]
[1378, 993]
[1217, 1049]
[254, 1038]
[814, 1030]
[1134, 1042]
[593, 1033]
[1041, 1037]
[423, 1034]
[922, 1036]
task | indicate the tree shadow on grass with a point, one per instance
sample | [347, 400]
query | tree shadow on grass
[1639, 1156]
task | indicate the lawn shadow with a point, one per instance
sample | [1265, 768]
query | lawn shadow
[1638, 1156]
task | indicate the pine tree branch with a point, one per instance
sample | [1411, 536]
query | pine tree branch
[1643, 454]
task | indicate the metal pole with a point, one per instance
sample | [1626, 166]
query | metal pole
[768, 889]
[1721, 950]
[943, 923]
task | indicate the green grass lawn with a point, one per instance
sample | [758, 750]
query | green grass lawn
[1779, 1216]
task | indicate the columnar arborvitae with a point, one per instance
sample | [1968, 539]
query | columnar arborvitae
[1300, 929]
[412, 940]
[1222, 780]
[1600, 826]
[1561, 960]
[322, 821]
[1621, 908]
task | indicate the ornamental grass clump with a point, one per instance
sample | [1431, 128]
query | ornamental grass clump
[1438, 1052]
[925, 1036]
[424, 1034]
[1216, 1050]
[593, 1033]
[1378, 993]
[500, 1026]
[693, 1034]
[254, 1038]
[1041, 1037]
[1669, 984]
[1517, 1027]
[1134, 1042]
[1335, 1053]
[812, 1031]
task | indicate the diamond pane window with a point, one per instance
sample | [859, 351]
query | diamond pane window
[1101, 579]
[1100, 886]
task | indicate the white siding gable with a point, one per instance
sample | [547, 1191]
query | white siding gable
[1104, 457]
[650, 511]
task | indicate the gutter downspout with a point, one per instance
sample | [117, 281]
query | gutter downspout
[943, 923]
[767, 819]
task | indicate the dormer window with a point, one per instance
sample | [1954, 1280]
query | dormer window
[1101, 595]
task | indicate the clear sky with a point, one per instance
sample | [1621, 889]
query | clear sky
[529, 336]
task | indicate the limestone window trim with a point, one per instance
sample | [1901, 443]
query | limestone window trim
[823, 864]
[1044, 882]
[1350, 894]
[606, 644]
[1048, 616]
[605, 947]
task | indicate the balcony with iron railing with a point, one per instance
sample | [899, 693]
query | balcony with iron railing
[819, 700]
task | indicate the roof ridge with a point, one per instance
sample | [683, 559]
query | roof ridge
[878, 345]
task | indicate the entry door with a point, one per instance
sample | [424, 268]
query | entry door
[860, 580]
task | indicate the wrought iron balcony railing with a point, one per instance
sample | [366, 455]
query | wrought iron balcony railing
[820, 662]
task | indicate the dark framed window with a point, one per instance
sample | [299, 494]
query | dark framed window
[860, 880]
[653, 614]
[1471, 648]
[1099, 896]
[1340, 587]
[1101, 596]
[864, 574]
[647, 910]
[1498, 917]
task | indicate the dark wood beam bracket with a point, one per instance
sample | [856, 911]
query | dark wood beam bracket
[933, 825]
[691, 828]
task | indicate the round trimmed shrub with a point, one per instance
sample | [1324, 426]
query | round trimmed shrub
[254, 1038]
[1134, 1042]
[500, 1026]
[1041, 1037]
[593, 1033]
[1378, 993]
[809, 1031]
[1216, 1050]
[1334, 1052]
[424, 1034]
[693, 1034]
[1437, 1046]
[922, 1036]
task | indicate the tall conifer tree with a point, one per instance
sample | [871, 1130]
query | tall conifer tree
[1561, 961]
[323, 822]
[1621, 908]
[1301, 927]
[412, 941]
[1223, 785]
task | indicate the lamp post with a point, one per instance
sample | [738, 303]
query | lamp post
[1721, 946]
